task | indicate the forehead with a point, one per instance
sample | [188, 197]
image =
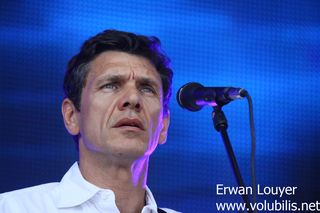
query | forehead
[121, 63]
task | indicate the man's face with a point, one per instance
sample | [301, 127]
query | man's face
[121, 112]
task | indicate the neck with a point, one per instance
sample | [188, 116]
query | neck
[126, 179]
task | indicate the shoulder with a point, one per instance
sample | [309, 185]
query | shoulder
[23, 200]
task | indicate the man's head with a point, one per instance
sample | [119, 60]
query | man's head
[117, 93]
[113, 40]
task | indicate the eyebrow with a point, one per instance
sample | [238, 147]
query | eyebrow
[121, 78]
[109, 78]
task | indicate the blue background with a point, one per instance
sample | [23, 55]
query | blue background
[271, 48]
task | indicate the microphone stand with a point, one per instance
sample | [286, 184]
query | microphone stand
[221, 125]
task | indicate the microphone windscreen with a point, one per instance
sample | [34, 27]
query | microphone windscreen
[185, 96]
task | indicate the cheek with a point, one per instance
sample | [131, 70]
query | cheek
[153, 108]
[155, 113]
[92, 114]
[95, 114]
[155, 129]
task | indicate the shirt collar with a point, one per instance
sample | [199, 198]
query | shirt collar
[151, 205]
[74, 190]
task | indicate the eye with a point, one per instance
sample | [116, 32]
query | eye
[147, 89]
[111, 86]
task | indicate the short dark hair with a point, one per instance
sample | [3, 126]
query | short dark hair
[114, 40]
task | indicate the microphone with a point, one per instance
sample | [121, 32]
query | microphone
[193, 96]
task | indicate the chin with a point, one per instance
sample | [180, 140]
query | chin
[129, 151]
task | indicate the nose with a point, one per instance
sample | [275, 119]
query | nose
[130, 100]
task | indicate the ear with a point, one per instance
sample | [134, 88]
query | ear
[165, 126]
[70, 117]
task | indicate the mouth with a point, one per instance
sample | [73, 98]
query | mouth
[129, 123]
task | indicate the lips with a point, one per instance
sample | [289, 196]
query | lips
[130, 123]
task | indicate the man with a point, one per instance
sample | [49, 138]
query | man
[116, 107]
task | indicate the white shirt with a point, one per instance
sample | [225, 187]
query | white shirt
[72, 195]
